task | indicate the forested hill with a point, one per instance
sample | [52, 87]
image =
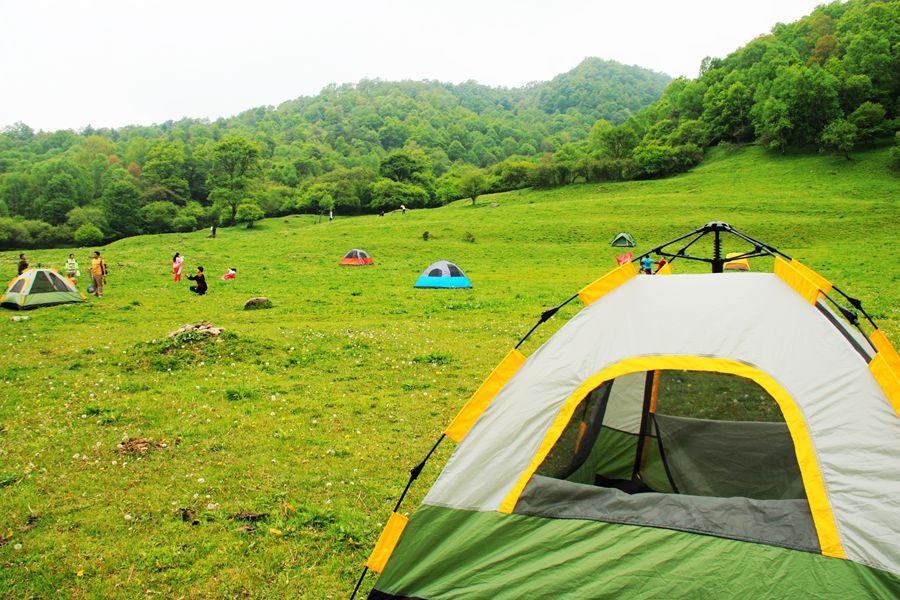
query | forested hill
[309, 154]
[828, 82]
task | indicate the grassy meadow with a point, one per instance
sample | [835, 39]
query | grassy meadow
[278, 451]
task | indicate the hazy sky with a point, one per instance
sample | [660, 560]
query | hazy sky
[69, 63]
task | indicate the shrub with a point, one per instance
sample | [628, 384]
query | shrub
[88, 235]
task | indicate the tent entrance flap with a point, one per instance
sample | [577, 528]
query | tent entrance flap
[697, 428]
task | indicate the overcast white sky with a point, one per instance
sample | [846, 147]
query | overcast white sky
[69, 63]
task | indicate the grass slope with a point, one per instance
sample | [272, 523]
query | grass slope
[313, 411]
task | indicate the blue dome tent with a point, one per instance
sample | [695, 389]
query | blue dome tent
[443, 274]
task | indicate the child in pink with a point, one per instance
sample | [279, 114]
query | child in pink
[230, 274]
[177, 261]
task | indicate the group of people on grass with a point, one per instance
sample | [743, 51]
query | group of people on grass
[199, 278]
[98, 271]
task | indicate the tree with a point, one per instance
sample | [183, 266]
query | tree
[121, 208]
[159, 216]
[88, 235]
[839, 136]
[728, 112]
[869, 120]
[235, 166]
[164, 173]
[58, 199]
[801, 102]
[473, 184]
[612, 141]
[86, 215]
[16, 193]
[389, 194]
[403, 165]
[62, 182]
[248, 213]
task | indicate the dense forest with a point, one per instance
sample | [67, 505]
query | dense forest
[828, 82]
[352, 148]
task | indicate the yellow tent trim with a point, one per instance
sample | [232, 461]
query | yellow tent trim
[607, 283]
[797, 279]
[820, 282]
[386, 543]
[883, 346]
[885, 367]
[8, 285]
[666, 269]
[739, 264]
[479, 401]
[826, 528]
[888, 378]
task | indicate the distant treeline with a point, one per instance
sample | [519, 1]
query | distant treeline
[829, 81]
[352, 148]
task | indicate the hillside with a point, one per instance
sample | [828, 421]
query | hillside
[311, 413]
[307, 155]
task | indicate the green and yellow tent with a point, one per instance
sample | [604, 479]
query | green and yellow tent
[35, 288]
[692, 436]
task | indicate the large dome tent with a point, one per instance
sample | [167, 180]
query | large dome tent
[36, 288]
[740, 443]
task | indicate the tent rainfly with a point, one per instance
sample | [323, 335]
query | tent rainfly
[744, 440]
[623, 240]
[443, 274]
[356, 258]
[39, 287]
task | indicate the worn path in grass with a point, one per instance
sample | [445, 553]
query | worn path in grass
[277, 452]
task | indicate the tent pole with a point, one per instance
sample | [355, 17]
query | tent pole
[413, 475]
[645, 424]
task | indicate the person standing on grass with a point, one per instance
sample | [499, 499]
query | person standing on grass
[72, 271]
[647, 265]
[177, 264]
[98, 274]
[330, 216]
[23, 264]
[200, 278]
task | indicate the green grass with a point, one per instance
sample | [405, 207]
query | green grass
[313, 411]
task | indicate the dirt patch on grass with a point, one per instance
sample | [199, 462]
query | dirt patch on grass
[143, 445]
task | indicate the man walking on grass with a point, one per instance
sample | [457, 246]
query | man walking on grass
[98, 274]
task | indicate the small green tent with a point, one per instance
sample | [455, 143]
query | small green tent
[623, 240]
[39, 287]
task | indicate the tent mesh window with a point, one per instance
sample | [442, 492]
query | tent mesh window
[17, 286]
[435, 273]
[42, 284]
[693, 433]
[58, 284]
[454, 271]
[701, 452]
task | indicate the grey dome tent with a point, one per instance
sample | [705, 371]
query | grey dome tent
[743, 444]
